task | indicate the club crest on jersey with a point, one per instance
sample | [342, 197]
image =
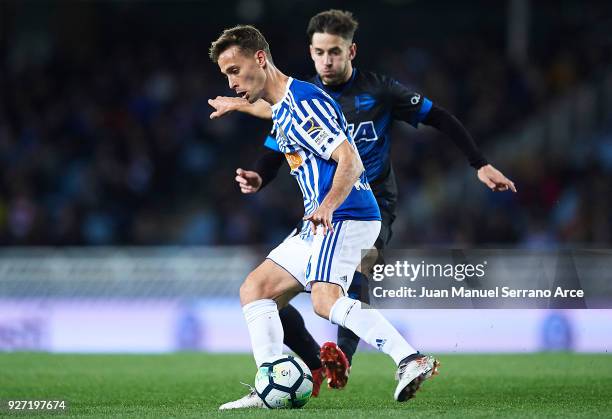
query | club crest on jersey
[364, 102]
[314, 130]
[294, 159]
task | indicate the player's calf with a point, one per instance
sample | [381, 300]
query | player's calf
[348, 342]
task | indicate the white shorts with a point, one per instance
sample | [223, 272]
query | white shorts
[331, 258]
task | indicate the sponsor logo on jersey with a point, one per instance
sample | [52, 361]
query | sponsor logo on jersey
[314, 130]
[360, 185]
[365, 131]
[311, 127]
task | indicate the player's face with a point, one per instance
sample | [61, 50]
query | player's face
[332, 56]
[244, 72]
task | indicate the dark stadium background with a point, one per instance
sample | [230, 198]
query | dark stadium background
[124, 239]
[105, 137]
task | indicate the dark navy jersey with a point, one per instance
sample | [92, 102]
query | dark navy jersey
[371, 102]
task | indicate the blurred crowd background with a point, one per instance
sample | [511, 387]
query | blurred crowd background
[105, 135]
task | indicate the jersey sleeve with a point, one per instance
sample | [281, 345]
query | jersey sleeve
[407, 106]
[323, 127]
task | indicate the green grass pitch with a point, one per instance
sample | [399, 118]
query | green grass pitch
[194, 385]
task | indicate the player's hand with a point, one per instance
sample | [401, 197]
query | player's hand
[249, 181]
[224, 105]
[322, 216]
[494, 179]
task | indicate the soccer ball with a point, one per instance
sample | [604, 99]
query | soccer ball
[283, 382]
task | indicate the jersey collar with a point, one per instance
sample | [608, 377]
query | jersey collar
[339, 90]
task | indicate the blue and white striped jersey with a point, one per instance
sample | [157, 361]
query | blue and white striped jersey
[371, 103]
[308, 126]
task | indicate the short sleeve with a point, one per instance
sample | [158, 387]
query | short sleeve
[323, 127]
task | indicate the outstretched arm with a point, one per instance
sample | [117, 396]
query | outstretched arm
[448, 124]
[414, 109]
[224, 105]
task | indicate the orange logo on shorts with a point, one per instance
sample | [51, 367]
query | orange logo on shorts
[294, 159]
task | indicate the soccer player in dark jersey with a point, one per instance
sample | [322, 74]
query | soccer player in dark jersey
[371, 103]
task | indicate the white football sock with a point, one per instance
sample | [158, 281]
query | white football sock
[265, 329]
[370, 326]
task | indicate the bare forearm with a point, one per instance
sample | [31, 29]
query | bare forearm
[347, 173]
[260, 109]
[224, 105]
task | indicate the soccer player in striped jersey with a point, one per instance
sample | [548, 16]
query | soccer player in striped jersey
[342, 214]
[371, 102]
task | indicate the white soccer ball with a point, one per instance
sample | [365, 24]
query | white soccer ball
[284, 382]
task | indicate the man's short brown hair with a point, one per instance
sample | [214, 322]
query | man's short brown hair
[246, 37]
[334, 22]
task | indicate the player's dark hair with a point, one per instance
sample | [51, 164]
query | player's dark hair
[334, 22]
[246, 37]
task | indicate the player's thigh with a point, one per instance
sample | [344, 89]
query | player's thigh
[268, 281]
[337, 256]
[292, 255]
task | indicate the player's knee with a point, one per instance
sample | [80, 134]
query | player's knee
[324, 296]
[246, 292]
[252, 289]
